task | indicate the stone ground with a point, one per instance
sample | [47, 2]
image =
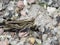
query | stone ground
[29, 22]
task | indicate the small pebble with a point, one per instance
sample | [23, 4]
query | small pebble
[20, 4]
[31, 1]
[12, 34]
[23, 13]
[1, 31]
[51, 9]
[17, 10]
[22, 34]
[38, 41]
[3, 43]
[32, 40]
[1, 6]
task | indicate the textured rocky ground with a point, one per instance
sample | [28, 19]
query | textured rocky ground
[29, 22]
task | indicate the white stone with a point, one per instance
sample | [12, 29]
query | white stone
[55, 38]
[55, 29]
[1, 6]
[38, 41]
[11, 5]
[1, 20]
[23, 13]
[44, 37]
[54, 22]
[25, 2]
[6, 14]
[51, 9]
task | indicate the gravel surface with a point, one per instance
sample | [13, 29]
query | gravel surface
[29, 22]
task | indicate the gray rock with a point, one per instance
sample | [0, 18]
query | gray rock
[34, 11]
[42, 20]
[27, 43]
[54, 41]
[2, 6]
[47, 42]
[48, 2]
[1, 14]
[5, 1]
[21, 41]
[55, 5]
[13, 41]
[35, 34]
